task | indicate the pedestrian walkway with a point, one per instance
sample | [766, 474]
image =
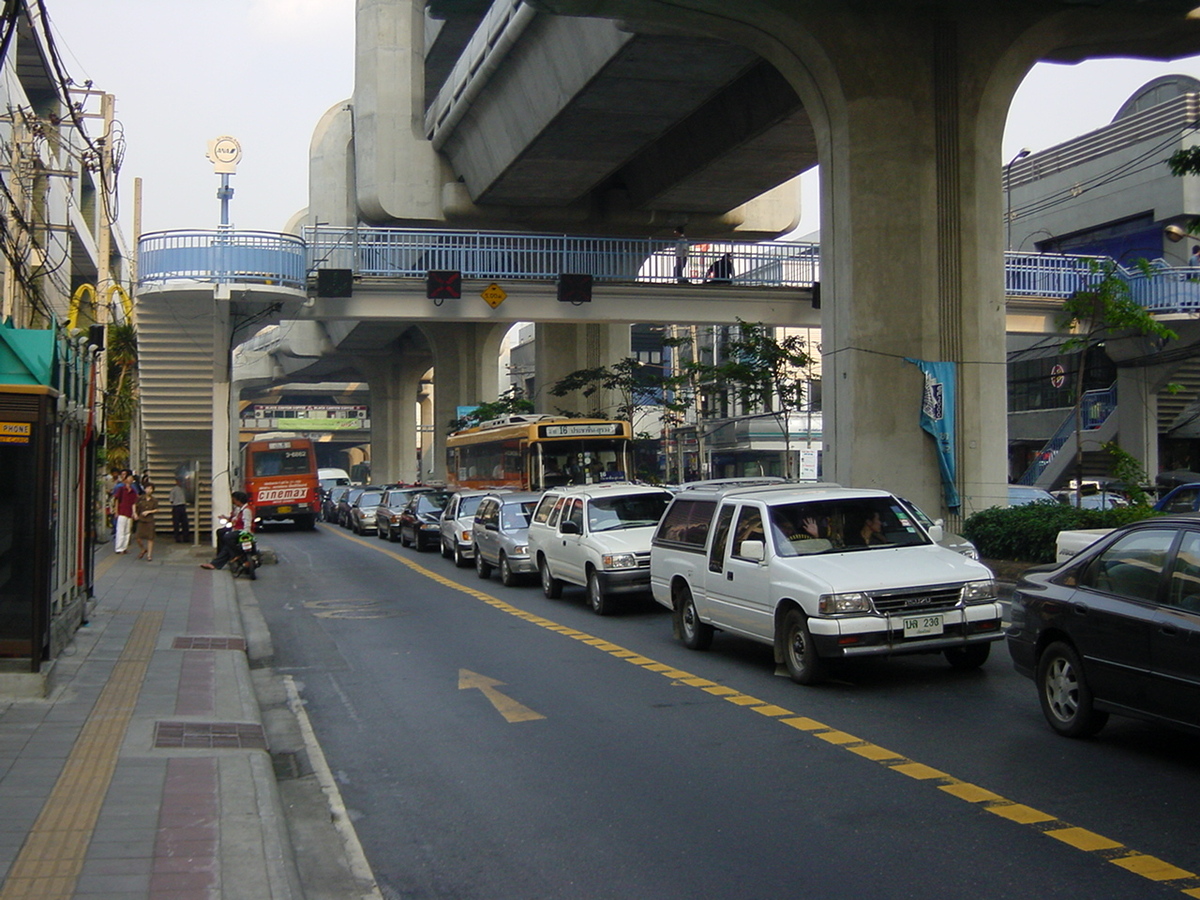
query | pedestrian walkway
[144, 773]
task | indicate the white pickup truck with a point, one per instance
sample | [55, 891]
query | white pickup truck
[819, 572]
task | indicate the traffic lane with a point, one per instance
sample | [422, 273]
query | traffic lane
[593, 673]
[642, 791]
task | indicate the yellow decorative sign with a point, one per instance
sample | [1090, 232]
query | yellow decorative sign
[16, 432]
[494, 295]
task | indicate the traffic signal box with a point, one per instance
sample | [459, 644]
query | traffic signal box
[443, 284]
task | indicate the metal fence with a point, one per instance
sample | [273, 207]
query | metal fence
[1097, 406]
[268, 258]
[223, 256]
[407, 253]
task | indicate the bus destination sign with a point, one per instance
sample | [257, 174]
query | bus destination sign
[599, 429]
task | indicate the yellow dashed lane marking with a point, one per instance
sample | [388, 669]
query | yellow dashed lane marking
[1148, 867]
[51, 858]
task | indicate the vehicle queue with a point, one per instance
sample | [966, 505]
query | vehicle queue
[819, 572]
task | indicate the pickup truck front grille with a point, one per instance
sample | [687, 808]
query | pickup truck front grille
[643, 560]
[916, 599]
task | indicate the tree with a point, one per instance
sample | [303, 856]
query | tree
[765, 373]
[121, 397]
[1102, 312]
[507, 404]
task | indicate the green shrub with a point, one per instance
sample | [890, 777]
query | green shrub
[1028, 533]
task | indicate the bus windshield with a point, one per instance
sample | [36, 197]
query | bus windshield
[584, 461]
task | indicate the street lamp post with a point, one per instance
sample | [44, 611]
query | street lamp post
[1021, 154]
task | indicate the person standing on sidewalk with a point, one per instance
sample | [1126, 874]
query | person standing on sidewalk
[125, 497]
[143, 513]
[179, 513]
[682, 247]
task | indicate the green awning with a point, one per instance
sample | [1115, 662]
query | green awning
[26, 356]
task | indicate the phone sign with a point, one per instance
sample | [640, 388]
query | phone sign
[16, 432]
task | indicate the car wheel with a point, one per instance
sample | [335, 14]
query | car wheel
[380, 532]
[417, 542]
[551, 586]
[460, 558]
[970, 656]
[446, 552]
[1064, 693]
[508, 577]
[696, 635]
[390, 534]
[404, 542]
[482, 568]
[601, 603]
[799, 654]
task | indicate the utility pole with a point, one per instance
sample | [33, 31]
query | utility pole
[104, 225]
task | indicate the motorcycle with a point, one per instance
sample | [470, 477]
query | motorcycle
[246, 558]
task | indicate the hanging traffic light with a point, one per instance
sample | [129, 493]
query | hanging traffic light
[443, 284]
[335, 282]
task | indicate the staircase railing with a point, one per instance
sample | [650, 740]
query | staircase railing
[1097, 406]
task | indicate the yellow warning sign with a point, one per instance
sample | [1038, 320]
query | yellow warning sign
[494, 295]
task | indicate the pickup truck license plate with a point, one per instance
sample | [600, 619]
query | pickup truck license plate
[922, 626]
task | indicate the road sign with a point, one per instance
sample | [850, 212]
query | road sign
[1058, 375]
[494, 295]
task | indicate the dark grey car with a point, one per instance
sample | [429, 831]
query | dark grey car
[1115, 629]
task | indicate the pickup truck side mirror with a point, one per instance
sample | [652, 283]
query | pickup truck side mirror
[756, 551]
[569, 528]
[937, 532]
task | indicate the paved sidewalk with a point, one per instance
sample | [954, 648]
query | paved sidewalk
[145, 772]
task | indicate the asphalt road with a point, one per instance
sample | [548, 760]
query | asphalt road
[490, 743]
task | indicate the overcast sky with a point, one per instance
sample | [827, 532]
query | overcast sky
[264, 71]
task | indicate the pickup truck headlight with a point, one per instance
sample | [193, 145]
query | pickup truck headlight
[979, 592]
[619, 561]
[844, 604]
[466, 536]
[521, 550]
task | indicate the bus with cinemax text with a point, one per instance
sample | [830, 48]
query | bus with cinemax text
[532, 453]
[280, 475]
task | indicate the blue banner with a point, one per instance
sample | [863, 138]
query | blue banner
[937, 418]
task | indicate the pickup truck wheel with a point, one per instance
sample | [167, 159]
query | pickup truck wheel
[972, 656]
[508, 577]
[799, 654]
[482, 568]
[1064, 693]
[551, 586]
[696, 635]
[601, 604]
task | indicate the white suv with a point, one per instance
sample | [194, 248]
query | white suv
[819, 572]
[597, 536]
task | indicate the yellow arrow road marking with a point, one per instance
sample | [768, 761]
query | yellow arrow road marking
[506, 706]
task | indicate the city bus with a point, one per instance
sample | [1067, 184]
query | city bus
[280, 475]
[532, 453]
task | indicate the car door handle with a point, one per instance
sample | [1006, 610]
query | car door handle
[729, 576]
[1080, 609]
[1169, 630]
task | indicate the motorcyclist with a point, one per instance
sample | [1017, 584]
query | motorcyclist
[239, 520]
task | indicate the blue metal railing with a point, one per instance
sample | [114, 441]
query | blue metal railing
[223, 256]
[407, 253]
[1096, 408]
[269, 258]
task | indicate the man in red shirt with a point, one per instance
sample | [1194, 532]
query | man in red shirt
[125, 495]
[241, 519]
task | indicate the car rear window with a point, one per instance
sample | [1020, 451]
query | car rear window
[686, 522]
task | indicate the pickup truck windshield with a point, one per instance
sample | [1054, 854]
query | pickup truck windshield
[631, 511]
[839, 526]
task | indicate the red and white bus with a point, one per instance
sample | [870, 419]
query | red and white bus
[280, 475]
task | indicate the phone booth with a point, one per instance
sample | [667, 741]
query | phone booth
[27, 435]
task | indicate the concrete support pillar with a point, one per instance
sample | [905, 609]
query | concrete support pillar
[394, 382]
[1137, 415]
[562, 349]
[465, 373]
